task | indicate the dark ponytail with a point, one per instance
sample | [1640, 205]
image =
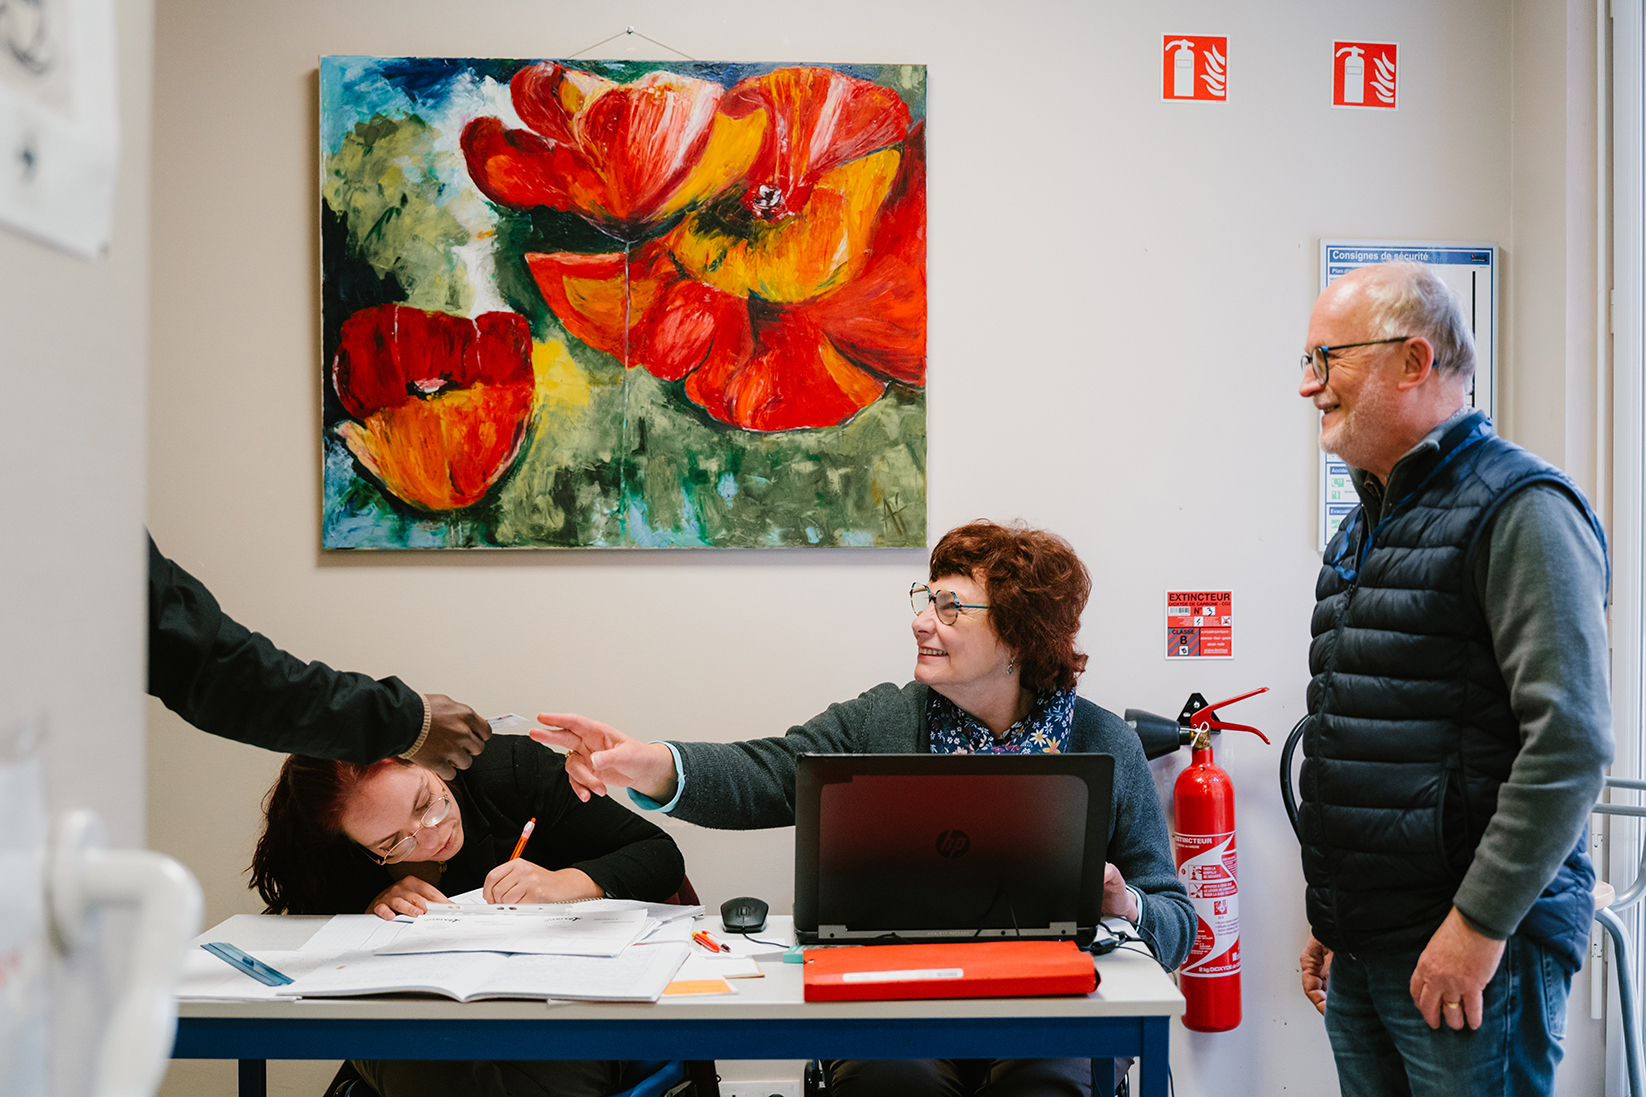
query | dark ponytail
[303, 863]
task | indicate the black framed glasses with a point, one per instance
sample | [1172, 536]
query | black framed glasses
[1320, 359]
[433, 817]
[945, 602]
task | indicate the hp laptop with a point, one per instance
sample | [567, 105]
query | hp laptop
[944, 847]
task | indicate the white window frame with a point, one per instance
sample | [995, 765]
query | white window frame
[1619, 322]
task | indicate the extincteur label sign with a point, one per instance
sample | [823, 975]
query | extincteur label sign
[1199, 624]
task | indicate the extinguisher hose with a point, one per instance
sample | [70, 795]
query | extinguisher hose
[1287, 796]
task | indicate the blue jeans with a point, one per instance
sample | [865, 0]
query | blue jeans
[1384, 1047]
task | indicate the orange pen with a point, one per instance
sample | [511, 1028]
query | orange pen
[525, 832]
[702, 937]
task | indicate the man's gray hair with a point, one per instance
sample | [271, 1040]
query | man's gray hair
[1412, 301]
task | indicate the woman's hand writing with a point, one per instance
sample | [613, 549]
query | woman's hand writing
[519, 881]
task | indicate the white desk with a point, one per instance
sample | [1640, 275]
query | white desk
[1129, 1014]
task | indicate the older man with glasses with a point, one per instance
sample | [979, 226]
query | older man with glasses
[1460, 716]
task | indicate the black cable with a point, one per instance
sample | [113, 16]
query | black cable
[1144, 951]
[1123, 941]
[1287, 797]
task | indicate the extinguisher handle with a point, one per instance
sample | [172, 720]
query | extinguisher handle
[1219, 725]
[1202, 719]
[1231, 700]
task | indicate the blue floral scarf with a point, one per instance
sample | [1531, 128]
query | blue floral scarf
[1045, 730]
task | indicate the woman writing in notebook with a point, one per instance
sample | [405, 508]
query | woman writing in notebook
[995, 672]
[392, 837]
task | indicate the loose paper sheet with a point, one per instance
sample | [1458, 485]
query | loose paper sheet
[356, 933]
[602, 933]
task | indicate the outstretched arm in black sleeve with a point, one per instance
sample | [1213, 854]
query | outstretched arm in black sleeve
[229, 681]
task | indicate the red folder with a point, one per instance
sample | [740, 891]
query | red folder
[970, 969]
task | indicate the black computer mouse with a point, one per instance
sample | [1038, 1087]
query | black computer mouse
[745, 914]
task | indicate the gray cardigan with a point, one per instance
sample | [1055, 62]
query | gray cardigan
[750, 785]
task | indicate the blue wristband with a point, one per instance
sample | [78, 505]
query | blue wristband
[646, 803]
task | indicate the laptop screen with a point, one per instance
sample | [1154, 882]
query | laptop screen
[911, 847]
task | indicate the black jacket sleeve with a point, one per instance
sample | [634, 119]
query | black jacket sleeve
[229, 681]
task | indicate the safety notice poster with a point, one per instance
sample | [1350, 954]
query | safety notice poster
[1471, 271]
[1199, 624]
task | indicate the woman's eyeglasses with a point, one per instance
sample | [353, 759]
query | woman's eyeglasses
[402, 849]
[945, 602]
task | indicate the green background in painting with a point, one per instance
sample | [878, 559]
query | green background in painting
[612, 456]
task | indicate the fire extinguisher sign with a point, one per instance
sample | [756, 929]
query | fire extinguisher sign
[1199, 624]
[1195, 66]
[1366, 75]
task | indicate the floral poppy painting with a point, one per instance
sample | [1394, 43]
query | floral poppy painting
[622, 304]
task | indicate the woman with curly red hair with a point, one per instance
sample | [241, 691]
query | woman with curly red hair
[995, 672]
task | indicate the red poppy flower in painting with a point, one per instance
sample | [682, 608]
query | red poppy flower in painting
[821, 119]
[791, 308]
[441, 401]
[624, 156]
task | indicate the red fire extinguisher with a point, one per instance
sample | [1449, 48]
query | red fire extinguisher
[1203, 844]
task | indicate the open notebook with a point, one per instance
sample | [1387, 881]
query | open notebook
[638, 975]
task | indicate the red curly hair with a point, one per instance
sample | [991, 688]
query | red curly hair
[1037, 589]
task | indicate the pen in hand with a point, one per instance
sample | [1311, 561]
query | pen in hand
[525, 832]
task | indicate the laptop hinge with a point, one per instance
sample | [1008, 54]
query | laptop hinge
[1060, 930]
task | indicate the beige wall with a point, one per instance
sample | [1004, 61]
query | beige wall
[1549, 393]
[1118, 290]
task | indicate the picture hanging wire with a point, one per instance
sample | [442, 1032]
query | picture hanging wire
[637, 34]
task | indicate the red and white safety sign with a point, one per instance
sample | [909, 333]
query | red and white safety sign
[1366, 75]
[1208, 873]
[1199, 624]
[1196, 66]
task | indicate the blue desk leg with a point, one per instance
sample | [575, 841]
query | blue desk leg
[1156, 1058]
[254, 1078]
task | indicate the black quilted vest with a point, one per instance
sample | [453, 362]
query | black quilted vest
[1412, 733]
